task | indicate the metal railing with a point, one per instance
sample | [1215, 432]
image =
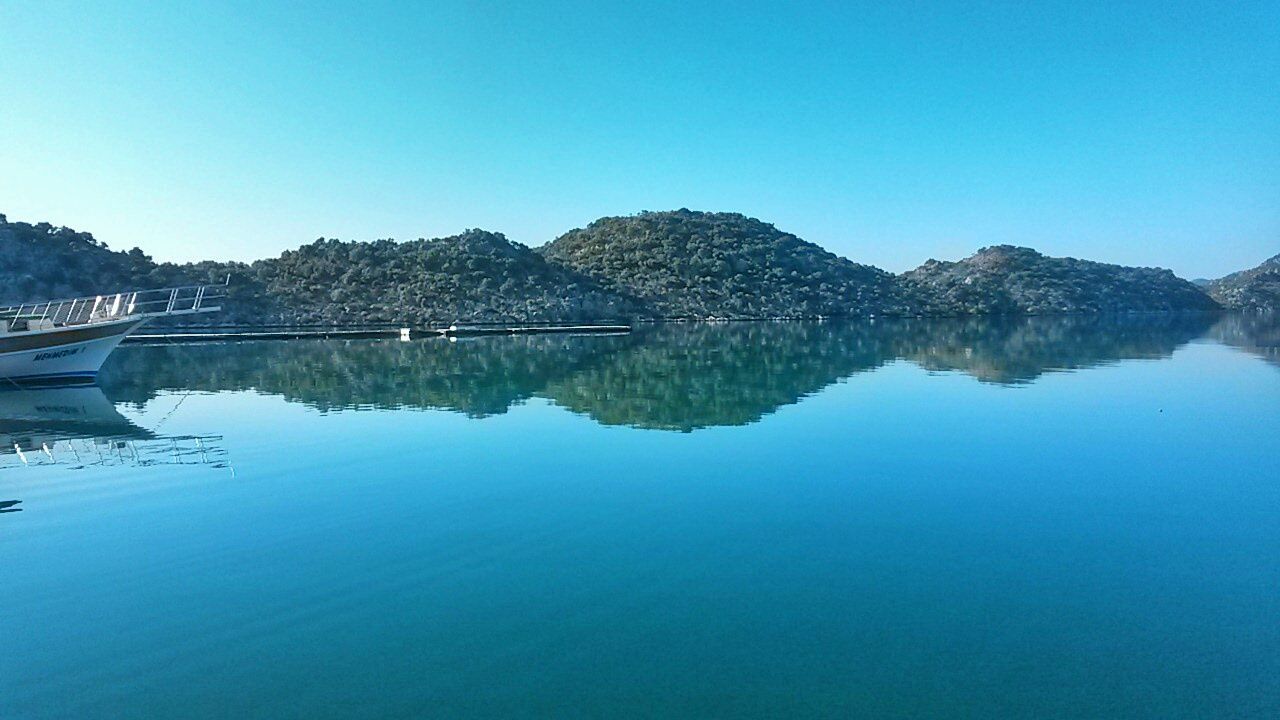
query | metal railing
[182, 300]
[107, 450]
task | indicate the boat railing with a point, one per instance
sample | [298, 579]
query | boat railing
[159, 302]
[107, 450]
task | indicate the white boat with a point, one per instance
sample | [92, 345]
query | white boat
[66, 341]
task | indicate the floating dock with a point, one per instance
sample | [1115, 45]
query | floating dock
[536, 330]
[192, 335]
[188, 336]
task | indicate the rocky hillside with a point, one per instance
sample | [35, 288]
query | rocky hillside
[699, 265]
[1007, 280]
[44, 262]
[473, 277]
[680, 264]
[477, 276]
[1256, 290]
[40, 262]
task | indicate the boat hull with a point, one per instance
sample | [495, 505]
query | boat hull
[61, 356]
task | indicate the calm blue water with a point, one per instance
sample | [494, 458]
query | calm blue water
[1018, 519]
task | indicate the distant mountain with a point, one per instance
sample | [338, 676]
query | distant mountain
[1007, 280]
[654, 265]
[1255, 290]
[692, 264]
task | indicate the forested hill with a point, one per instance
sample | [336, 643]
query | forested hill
[40, 262]
[44, 262]
[474, 277]
[680, 264]
[1257, 289]
[1007, 280]
[698, 264]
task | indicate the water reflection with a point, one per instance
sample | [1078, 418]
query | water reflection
[80, 427]
[1256, 334]
[1019, 548]
[670, 377]
[1015, 351]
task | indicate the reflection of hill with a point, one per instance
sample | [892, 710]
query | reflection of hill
[1019, 350]
[687, 377]
[674, 377]
[478, 378]
[1254, 333]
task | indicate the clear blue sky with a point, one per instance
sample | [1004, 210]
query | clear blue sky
[1139, 133]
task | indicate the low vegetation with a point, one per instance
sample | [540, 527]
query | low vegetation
[1007, 280]
[691, 264]
[477, 276]
[654, 265]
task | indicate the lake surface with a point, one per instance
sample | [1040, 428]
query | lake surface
[1052, 518]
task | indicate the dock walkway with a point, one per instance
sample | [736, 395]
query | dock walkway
[189, 335]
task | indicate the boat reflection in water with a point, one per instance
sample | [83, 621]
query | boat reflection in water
[78, 427]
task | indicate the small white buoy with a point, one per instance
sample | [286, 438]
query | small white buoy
[404, 334]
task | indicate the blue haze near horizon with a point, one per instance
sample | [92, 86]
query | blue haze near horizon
[1142, 133]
